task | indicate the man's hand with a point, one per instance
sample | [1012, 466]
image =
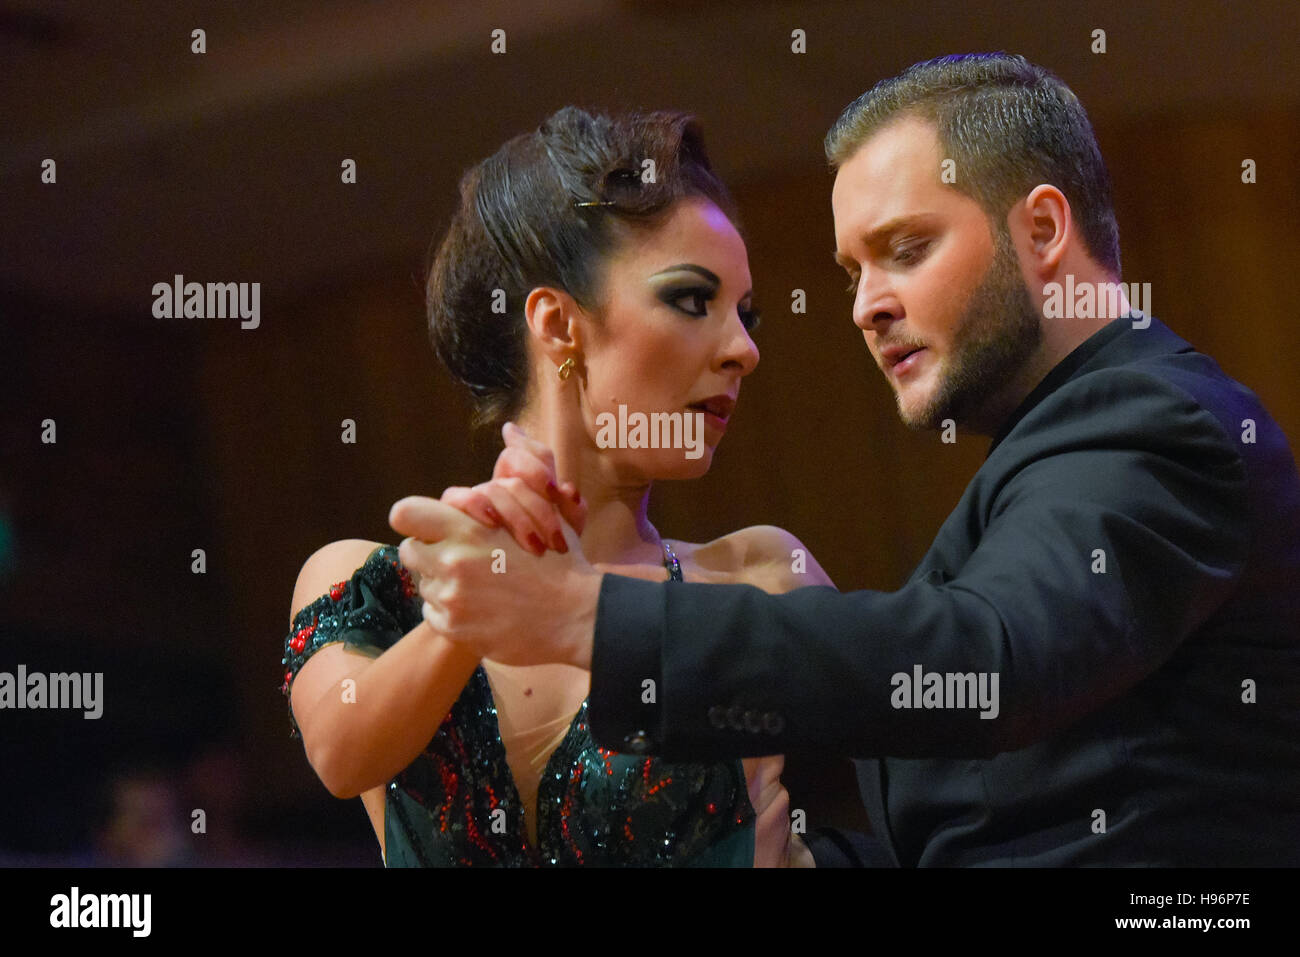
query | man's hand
[482, 590]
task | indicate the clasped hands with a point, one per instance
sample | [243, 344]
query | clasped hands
[487, 580]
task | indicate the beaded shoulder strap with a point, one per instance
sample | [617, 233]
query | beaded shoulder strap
[671, 563]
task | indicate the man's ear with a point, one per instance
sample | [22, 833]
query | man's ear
[552, 316]
[1042, 227]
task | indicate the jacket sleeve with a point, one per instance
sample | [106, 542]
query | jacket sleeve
[1112, 523]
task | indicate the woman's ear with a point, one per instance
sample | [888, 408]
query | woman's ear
[553, 322]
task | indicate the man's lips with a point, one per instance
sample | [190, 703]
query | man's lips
[899, 359]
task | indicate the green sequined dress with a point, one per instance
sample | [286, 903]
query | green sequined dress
[456, 804]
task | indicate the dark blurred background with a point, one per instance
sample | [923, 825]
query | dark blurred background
[183, 434]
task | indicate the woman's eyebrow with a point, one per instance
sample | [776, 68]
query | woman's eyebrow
[708, 274]
[691, 267]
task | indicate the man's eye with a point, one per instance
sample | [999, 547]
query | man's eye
[909, 254]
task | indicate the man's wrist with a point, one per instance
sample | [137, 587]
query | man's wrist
[626, 674]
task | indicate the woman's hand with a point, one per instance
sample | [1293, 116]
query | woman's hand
[523, 497]
[483, 592]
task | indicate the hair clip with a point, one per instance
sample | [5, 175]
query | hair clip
[604, 202]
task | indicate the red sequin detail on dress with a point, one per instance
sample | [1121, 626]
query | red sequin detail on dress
[408, 586]
[299, 641]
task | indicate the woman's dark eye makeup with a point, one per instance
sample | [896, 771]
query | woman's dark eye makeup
[694, 301]
[696, 297]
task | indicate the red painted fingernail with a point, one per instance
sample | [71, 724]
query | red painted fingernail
[577, 496]
[536, 543]
[552, 490]
[494, 516]
[561, 545]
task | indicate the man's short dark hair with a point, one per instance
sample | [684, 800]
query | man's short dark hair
[1008, 125]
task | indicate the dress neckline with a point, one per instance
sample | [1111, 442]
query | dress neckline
[550, 773]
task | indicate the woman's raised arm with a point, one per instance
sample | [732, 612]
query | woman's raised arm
[360, 736]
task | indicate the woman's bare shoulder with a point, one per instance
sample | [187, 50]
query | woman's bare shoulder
[328, 565]
[764, 555]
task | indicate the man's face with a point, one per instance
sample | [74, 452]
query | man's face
[928, 276]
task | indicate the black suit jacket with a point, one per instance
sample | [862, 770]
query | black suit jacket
[1126, 562]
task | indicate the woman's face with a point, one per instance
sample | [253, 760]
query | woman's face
[672, 338]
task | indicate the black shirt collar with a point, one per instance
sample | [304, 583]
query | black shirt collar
[1062, 372]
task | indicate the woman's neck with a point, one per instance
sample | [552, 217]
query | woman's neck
[618, 529]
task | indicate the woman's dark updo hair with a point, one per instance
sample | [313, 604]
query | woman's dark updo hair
[519, 226]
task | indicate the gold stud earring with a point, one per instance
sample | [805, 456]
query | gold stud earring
[565, 369]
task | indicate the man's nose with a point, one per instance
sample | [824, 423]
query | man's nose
[874, 305]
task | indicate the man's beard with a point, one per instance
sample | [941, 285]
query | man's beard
[999, 330]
